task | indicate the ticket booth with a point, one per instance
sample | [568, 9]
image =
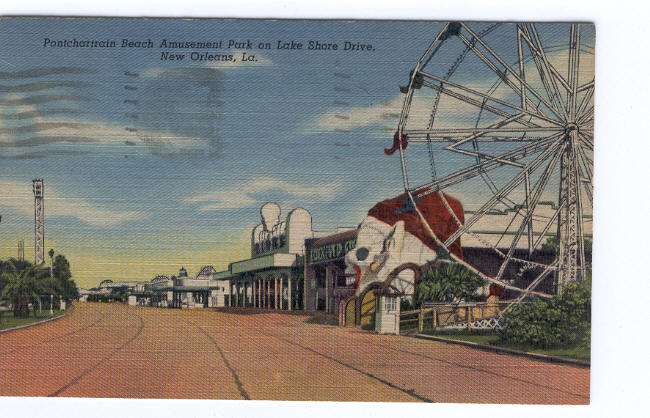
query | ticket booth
[387, 310]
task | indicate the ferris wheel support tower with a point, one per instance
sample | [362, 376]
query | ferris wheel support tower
[569, 225]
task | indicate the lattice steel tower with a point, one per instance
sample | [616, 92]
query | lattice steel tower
[569, 224]
[39, 222]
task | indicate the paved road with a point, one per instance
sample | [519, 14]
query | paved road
[112, 350]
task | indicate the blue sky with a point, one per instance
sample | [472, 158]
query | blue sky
[144, 173]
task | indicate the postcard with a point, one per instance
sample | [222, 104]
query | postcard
[300, 210]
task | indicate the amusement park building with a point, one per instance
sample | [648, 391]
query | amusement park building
[326, 283]
[272, 278]
[185, 291]
[109, 286]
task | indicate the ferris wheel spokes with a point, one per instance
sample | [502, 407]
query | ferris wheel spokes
[486, 165]
[536, 48]
[545, 70]
[574, 63]
[532, 205]
[504, 191]
[484, 96]
[501, 74]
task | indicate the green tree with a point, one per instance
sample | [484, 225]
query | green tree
[51, 254]
[550, 244]
[9, 266]
[61, 268]
[445, 282]
[63, 276]
[21, 288]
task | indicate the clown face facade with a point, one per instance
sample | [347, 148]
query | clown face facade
[382, 248]
[392, 236]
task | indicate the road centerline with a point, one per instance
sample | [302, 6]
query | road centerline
[104, 359]
[238, 382]
[410, 392]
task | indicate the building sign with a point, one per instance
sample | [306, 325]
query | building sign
[268, 245]
[331, 251]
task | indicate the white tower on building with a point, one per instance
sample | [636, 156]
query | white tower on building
[39, 222]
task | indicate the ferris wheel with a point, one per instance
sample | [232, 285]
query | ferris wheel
[500, 116]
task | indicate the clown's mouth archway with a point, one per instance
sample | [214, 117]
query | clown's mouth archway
[360, 310]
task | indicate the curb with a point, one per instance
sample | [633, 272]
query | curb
[37, 323]
[502, 350]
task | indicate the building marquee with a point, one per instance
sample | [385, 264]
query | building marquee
[331, 251]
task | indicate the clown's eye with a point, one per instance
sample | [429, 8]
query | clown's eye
[362, 253]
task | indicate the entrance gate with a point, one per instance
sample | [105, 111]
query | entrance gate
[368, 308]
[347, 311]
[361, 310]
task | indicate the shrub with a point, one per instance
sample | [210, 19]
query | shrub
[564, 320]
[447, 282]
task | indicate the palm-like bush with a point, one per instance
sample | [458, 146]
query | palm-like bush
[447, 282]
[20, 289]
[25, 284]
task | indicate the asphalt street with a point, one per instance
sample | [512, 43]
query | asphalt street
[117, 351]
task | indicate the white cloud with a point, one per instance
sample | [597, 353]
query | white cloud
[95, 132]
[451, 112]
[18, 195]
[383, 114]
[357, 117]
[244, 194]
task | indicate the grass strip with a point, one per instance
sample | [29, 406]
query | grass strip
[493, 339]
[7, 319]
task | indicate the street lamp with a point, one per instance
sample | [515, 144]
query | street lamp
[51, 254]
